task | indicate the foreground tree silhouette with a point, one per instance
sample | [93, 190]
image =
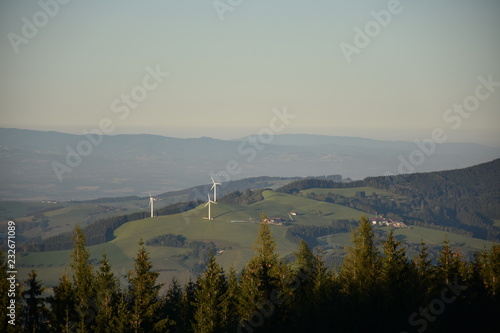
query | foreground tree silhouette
[170, 307]
[84, 282]
[187, 308]
[63, 305]
[423, 277]
[210, 297]
[450, 266]
[35, 312]
[361, 266]
[143, 294]
[311, 285]
[112, 315]
[359, 276]
[491, 271]
[395, 282]
[373, 293]
[261, 281]
[230, 305]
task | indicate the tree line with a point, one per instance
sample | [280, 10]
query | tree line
[465, 201]
[200, 250]
[102, 230]
[247, 197]
[310, 233]
[373, 291]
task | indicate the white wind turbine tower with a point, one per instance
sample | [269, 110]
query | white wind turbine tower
[214, 187]
[209, 205]
[151, 201]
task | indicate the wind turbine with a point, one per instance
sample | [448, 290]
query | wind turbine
[151, 201]
[209, 205]
[214, 187]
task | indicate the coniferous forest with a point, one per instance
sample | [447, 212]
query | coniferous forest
[377, 289]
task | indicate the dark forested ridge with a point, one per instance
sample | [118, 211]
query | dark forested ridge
[464, 201]
[377, 289]
[102, 230]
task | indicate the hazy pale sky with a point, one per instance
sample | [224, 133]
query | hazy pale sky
[66, 65]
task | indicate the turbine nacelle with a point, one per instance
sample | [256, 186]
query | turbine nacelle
[214, 187]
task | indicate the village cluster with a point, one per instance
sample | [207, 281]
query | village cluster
[382, 221]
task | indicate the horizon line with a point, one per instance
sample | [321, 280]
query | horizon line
[69, 132]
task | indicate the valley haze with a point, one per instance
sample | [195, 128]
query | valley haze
[38, 165]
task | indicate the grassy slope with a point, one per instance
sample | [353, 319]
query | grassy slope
[237, 237]
[64, 219]
[14, 209]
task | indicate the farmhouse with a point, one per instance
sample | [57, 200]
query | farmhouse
[382, 221]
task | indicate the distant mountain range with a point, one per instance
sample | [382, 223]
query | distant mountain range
[50, 165]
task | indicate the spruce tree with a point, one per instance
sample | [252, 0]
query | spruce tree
[395, 286]
[450, 265]
[324, 294]
[63, 305]
[36, 313]
[303, 271]
[187, 308]
[423, 264]
[171, 305]
[424, 274]
[261, 282]
[310, 289]
[84, 282]
[359, 277]
[108, 299]
[210, 297]
[302, 302]
[394, 264]
[230, 304]
[491, 272]
[143, 293]
[361, 266]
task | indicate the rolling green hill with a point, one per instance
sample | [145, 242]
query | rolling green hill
[464, 201]
[41, 220]
[233, 230]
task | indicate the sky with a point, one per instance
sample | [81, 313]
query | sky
[389, 70]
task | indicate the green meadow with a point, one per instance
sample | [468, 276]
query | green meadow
[233, 229]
